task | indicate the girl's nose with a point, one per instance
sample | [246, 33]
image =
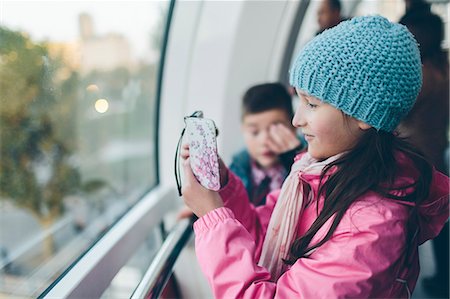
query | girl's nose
[298, 121]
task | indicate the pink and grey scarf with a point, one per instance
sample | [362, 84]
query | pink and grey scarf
[282, 228]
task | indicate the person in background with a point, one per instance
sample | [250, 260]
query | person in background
[329, 14]
[427, 124]
[415, 7]
[270, 139]
[350, 216]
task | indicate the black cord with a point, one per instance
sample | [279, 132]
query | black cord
[198, 114]
[177, 164]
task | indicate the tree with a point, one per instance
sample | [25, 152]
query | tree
[35, 168]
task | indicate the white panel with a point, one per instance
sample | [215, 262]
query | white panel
[175, 83]
[259, 46]
[216, 38]
[284, 28]
[226, 47]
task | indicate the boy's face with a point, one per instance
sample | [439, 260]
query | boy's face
[255, 128]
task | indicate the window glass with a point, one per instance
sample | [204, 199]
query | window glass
[78, 84]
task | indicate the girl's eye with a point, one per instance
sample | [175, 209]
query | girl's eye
[309, 104]
[254, 133]
[312, 106]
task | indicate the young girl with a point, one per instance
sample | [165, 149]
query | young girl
[349, 218]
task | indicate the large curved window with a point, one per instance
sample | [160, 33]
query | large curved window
[78, 103]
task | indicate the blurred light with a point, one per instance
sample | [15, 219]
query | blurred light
[101, 105]
[92, 88]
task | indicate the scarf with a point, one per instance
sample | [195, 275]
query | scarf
[282, 228]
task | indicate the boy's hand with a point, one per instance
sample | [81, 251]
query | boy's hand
[282, 139]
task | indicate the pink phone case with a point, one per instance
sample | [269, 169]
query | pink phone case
[201, 136]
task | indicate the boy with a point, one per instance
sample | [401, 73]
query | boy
[270, 139]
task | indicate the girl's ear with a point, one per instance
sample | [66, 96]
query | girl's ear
[363, 126]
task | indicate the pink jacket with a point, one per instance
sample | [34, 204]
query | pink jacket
[364, 258]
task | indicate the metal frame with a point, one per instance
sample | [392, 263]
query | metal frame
[290, 46]
[157, 275]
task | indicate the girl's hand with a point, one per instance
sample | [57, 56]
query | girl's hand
[281, 139]
[223, 173]
[199, 199]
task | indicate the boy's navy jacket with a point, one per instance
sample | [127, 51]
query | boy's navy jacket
[241, 166]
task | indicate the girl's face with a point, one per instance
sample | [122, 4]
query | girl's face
[326, 129]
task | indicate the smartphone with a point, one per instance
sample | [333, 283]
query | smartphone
[201, 137]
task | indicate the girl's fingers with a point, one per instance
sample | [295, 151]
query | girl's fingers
[184, 153]
[188, 174]
[199, 199]
[184, 213]
[223, 172]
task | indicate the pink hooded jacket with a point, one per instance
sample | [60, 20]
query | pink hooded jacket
[365, 257]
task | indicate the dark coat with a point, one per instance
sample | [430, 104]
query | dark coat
[241, 166]
[426, 125]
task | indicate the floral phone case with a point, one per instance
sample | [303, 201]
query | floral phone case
[201, 136]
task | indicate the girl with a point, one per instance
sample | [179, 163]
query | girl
[350, 216]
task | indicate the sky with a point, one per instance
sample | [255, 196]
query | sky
[58, 20]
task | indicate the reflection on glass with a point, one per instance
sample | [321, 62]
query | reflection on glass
[77, 117]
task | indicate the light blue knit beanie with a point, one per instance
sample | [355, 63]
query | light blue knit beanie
[367, 67]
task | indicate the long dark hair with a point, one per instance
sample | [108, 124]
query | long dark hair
[369, 166]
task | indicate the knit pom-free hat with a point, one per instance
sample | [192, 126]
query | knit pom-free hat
[367, 67]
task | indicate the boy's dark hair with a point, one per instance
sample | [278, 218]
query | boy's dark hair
[268, 96]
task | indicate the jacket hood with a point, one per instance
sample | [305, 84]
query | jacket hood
[432, 212]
